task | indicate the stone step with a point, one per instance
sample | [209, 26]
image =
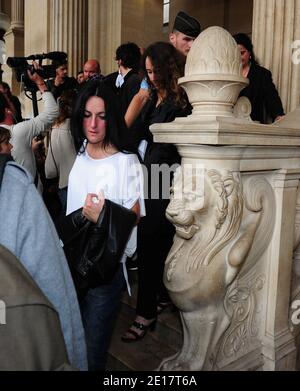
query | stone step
[143, 355]
[147, 353]
[168, 326]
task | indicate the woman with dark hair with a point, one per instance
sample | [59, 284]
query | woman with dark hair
[163, 65]
[103, 168]
[261, 91]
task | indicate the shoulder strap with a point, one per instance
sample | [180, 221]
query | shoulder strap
[3, 160]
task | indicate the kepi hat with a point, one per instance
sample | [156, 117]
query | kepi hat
[187, 25]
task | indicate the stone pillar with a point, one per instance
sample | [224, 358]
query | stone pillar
[14, 39]
[4, 26]
[275, 29]
[235, 208]
[104, 20]
[68, 31]
[278, 342]
[17, 14]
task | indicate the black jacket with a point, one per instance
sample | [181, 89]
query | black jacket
[69, 84]
[262, 93]
[129, 88]
[94, 251]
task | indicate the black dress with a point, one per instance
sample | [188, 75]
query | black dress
[262, 93]
[155, 232]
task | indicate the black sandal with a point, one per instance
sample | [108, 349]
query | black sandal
[139, 326]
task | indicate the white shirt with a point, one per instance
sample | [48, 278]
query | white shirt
[118, 176]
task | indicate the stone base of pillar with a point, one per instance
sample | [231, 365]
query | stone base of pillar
[279, 352]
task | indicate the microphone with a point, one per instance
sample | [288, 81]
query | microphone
[56, 56]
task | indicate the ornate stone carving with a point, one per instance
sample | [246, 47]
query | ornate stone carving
[213, 73]
[241, 304]
[214, 235]
[242, 108]
[214, 52]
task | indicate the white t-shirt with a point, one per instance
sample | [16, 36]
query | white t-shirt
[120, 178]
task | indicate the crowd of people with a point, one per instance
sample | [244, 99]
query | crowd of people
[100, 147]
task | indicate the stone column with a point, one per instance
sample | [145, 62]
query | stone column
[17, 14]
[14, 39]
[104, 22]
[68, 31]
[278, 344]
[275, 28]
[4, 26]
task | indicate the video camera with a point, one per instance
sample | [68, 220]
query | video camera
[20, 66]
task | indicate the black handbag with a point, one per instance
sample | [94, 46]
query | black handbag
[93, 250]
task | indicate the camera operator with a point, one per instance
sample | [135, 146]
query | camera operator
[62, 81]
[23, 133]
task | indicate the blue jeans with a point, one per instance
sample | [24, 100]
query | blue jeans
[98, 309]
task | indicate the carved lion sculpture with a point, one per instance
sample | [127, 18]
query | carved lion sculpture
[214, 234]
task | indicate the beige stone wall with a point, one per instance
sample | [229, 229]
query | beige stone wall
[6, 7]
[234, 15]
[104, 32]
[142, 22]
[238, 16]
[37, 26]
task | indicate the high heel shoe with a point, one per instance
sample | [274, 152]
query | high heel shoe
[144, 328]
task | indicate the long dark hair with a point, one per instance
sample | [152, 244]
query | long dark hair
[168, 65]
[65, 103]
[243, 39]
[115, 124]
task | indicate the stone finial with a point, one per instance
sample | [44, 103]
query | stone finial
[213, 73]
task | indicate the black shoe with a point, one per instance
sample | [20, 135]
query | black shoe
[131, 262]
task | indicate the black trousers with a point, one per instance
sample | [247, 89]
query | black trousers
[152, 250]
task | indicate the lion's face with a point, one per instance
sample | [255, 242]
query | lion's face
[186, 206]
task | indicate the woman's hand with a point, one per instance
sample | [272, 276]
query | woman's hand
[93, 206]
